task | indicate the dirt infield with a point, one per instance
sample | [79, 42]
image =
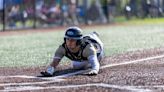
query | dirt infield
[139, 71]
[51, 29]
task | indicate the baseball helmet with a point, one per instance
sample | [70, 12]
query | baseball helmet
[74, 33]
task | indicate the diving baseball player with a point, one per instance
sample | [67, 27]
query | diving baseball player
[84, 51]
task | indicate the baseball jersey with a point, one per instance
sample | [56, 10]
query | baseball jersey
[88, 47]
[86, 50]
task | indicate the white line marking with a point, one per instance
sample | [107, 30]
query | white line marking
[83, 71]
[34, 77]
[134, 61]
[130, 88]
[27, 83]
[23, 76]
[147, 86]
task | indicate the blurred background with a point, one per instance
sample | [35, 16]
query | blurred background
[22, 14]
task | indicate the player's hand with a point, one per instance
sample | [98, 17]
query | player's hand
[49, 72]
[92, 72]
[46, 74]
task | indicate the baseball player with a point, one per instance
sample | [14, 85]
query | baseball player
[84, 51]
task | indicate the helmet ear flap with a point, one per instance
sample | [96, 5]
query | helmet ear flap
[64, 40]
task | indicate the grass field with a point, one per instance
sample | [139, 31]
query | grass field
[38, 48]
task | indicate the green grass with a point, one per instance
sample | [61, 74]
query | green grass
[119, 39]
[134, 20]
[31, 49]
[1, 27]
[38, 48]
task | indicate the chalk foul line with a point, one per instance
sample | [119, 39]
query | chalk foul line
[129, 88]
[102, 67]
[134, 61]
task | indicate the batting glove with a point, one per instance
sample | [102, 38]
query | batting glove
[49, 72]
[92, 72]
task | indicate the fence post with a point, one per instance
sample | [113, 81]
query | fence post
[4, 18]
[85, 10]
[34, 6]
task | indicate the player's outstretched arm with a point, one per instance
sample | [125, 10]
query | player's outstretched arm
[51, 68]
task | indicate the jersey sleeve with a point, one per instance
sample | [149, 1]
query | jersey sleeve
[89, 50]
[90, 53]
[60, 52]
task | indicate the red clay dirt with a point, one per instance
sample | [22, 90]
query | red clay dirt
[143, 76]
[51, 29]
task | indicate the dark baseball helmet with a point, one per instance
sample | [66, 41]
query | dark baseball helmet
[74, 33]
